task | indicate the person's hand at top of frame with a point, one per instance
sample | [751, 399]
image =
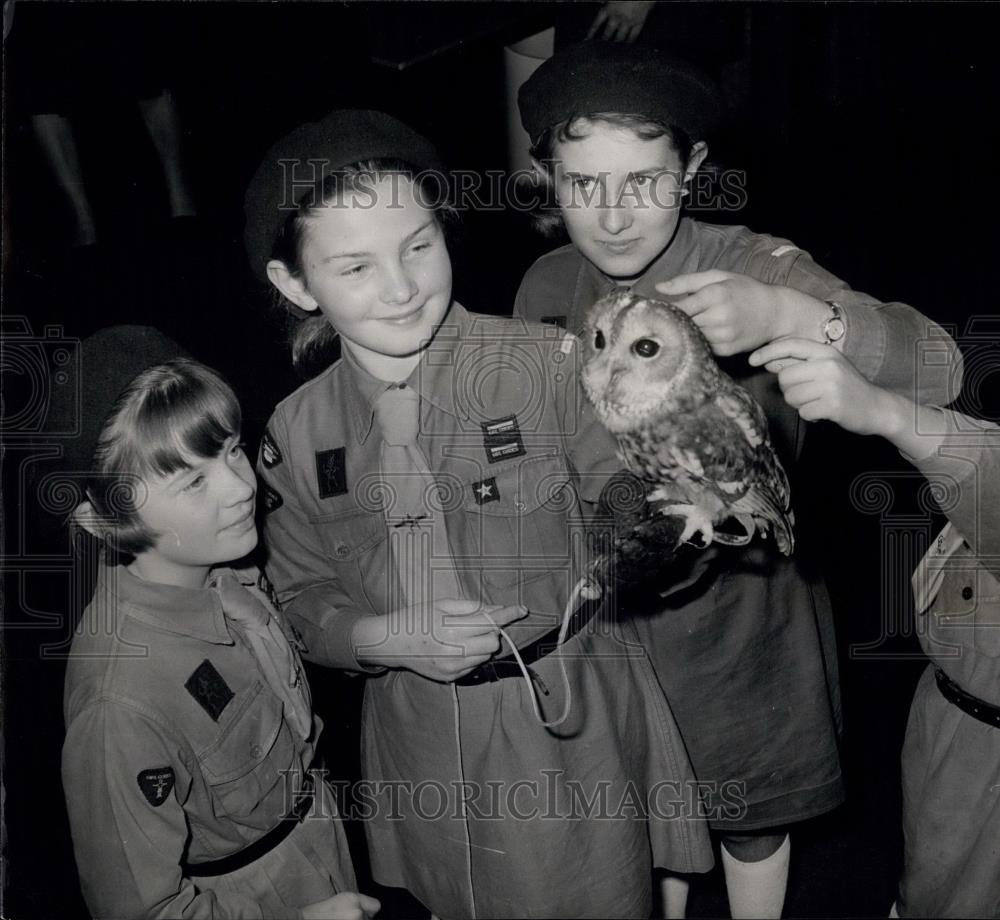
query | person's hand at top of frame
[620, 20]
[738, 313]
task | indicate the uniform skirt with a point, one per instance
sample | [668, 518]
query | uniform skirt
[747, 659]
[483, 812]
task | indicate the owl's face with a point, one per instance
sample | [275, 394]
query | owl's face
[639, 356]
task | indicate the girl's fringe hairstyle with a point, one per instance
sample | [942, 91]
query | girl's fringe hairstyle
[313, 337]
[546, 216]
[167, 414]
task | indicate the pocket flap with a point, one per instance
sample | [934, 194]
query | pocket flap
[349, 534]
[248, 738]
[523, 486]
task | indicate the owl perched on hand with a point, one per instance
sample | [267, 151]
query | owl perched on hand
[683, 425]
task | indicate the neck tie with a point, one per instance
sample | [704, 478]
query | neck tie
[278, 663]
[417, 536]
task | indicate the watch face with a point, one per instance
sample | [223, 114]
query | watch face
[834, 329]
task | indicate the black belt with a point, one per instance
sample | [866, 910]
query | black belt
[260, 847]
[969, 704]
[501, 668]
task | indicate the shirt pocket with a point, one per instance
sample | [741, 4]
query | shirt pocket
[349, 534]
[248, 766]
[966, 611]
[521, 541]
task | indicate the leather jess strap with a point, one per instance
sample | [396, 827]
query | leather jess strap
[500, 668]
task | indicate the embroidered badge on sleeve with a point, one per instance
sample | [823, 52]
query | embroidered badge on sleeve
[270, 498]
[156, 784]
[209, 689]
[269, 453]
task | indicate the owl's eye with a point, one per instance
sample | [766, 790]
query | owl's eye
[645, 348]
[599, 340]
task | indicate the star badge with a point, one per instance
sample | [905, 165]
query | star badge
[486, 491]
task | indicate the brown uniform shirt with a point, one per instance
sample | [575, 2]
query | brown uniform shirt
[951, 761]
[749, 661]
[177, 750]
[519, 458]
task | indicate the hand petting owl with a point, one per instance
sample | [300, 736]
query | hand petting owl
[697, 439]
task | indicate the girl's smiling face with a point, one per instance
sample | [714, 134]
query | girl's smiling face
[375, 262]
[202, 515]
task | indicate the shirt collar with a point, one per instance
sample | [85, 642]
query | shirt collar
[432, 378]
[195, 612]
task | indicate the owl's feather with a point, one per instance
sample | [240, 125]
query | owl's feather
[698, 439]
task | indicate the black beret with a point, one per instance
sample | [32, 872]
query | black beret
[600, 76]
[109, 360]
[300, 161]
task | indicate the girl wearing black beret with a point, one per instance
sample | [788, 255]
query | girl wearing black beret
[424, 495]
[749, 663]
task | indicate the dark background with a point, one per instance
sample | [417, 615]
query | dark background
[868, 136]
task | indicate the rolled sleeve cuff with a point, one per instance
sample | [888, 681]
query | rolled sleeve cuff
[327, 628]
[340, 647]
[865, 338]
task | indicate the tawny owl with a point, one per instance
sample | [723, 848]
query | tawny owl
[684, 426]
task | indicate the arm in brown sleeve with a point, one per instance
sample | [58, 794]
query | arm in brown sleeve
[967, 465]
[129, 843]
[892, 344]
[300, 570]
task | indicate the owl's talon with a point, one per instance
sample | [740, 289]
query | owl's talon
[696, 521]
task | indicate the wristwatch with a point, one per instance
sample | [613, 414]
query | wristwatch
[834, 328]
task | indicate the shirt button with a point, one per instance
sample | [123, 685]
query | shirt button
[255, 750]
[341, 550]
[967, 593]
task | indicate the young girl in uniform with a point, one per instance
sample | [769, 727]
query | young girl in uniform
[951, 755]
[424, 499]
[748, 662]
[189, 728]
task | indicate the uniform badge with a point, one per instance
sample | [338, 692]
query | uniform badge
[209, 689]
[502, 439]
[486, 491]
[331, 474]
[269, 453]
[270, 498]
[267, 589]
[555, 320]
[156, 784]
